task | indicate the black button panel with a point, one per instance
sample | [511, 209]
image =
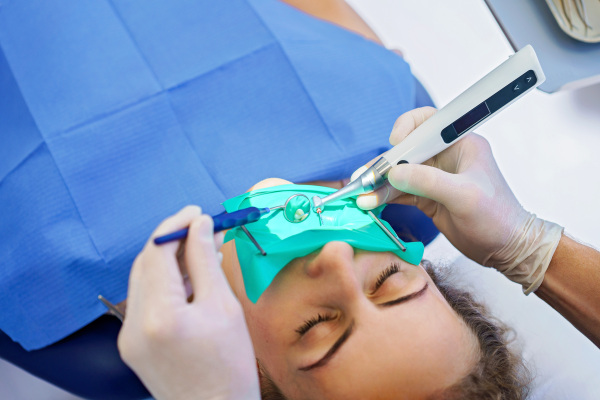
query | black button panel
[449, 134]
[495, 102]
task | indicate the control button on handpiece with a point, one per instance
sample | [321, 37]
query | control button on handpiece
[516, 88]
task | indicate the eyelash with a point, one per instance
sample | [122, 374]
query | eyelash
[312, 322]
[386, 273]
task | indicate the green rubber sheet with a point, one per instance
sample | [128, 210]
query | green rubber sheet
[283, 240]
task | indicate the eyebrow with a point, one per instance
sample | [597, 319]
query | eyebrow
[405, 298]
[336, 346]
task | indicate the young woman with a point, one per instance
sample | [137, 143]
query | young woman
[347, 323]
[342, 322]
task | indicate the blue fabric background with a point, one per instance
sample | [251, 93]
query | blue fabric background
[115, 114]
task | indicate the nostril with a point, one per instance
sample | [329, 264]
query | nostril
[313, 267]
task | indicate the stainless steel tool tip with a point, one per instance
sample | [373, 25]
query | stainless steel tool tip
[317, 203]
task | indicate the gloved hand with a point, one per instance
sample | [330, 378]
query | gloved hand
[199, 349]
[465, 194]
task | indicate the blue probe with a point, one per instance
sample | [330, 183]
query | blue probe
[221, 221]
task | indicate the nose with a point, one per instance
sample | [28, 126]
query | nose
[334, 266]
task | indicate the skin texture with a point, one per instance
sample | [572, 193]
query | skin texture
[570, 286]
[408, 350]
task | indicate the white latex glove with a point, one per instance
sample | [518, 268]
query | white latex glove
[465, 194]
[187, 350]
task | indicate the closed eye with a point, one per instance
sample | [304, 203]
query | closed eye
[386, 273]
[308, 324]
[405, 298]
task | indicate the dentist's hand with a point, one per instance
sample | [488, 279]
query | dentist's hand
[180, 349]
[467, 197]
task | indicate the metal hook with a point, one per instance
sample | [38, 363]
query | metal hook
[387, 231]
[111, 308]
[247, 232]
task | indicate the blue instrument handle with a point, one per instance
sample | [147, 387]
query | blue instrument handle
[221, 221]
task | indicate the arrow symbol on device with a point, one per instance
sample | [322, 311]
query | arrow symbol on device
[528, 79]
[516, 87]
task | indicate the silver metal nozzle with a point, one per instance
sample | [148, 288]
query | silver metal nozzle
[368, 181]
[317, 203]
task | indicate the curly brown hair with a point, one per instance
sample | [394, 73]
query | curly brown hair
[500, 373]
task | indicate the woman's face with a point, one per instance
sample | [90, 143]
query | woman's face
[353, 324]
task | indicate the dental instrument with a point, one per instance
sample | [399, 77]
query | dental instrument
[508, 82]
[296, 209]
[253, 240]
[387, 231]
[111, 308]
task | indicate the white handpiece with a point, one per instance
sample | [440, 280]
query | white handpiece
[491, 94]
[508, 82]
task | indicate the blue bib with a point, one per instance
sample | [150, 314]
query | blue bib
[116, 114]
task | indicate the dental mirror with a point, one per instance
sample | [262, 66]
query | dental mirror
[296, 208]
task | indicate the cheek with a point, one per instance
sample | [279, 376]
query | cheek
[265, 328]
[415, 351]
[271, 320]
[436, 344]
[268, 335]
